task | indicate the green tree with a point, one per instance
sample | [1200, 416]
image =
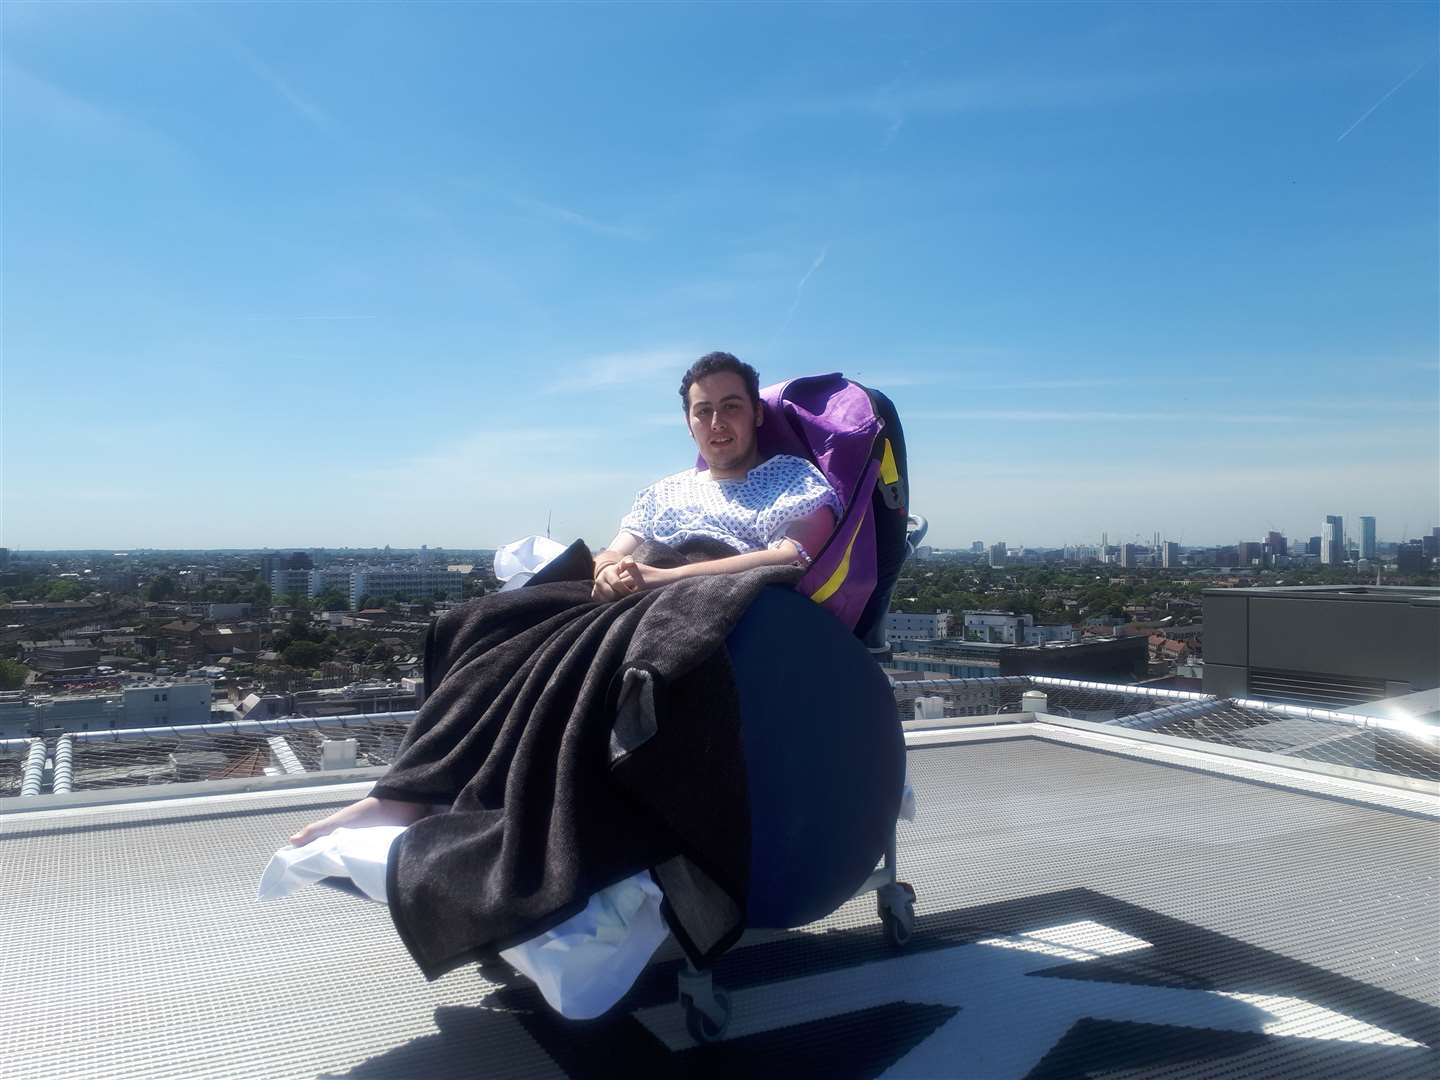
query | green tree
[261, 597]
[64, 590]
[305, 654]
[162, 588]
[332, 600]
[299, 628]
[12, 675]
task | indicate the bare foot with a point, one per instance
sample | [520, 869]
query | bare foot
[360, 815]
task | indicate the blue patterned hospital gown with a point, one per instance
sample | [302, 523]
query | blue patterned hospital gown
[749, 514]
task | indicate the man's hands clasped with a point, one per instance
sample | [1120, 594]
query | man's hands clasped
[626, 576]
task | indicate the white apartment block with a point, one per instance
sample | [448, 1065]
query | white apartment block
[331, 579]
[407, 582]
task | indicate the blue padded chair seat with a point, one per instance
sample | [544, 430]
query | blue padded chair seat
[824, 755]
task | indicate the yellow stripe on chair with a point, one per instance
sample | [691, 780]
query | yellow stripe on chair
[889, 472]
[837, 579]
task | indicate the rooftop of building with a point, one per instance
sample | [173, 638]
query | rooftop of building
[1128, 880]
[1374, 594]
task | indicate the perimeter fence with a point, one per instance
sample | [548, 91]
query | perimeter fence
[59, 763]
[1398, 745]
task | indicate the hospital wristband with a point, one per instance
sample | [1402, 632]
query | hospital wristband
[802, 559]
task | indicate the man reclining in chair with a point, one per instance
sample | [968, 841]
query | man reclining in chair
[738, 514]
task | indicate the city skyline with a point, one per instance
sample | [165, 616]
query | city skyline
[289, 276]
[1353, 538]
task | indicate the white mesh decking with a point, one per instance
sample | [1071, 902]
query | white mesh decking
[1079, 912]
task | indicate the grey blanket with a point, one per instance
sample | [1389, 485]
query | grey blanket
[580, 743]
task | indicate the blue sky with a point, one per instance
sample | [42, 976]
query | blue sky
[332, 275]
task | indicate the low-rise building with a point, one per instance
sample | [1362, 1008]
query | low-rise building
[230, 641]
[905, 626]
[996, 626]
[60, 658]
[156, 704]
[941, 667]
[1122, 659]
[1008, 628]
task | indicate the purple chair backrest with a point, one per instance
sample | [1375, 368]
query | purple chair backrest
[829, 420]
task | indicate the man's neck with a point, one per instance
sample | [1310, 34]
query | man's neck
[736, 472]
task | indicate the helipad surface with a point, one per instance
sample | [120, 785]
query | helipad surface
[1080, 912]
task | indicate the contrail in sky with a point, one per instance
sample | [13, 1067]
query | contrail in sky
[799, 292]
[1382, 101]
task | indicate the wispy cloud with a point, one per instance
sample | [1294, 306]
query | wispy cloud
[495, 486]
[83, 121]
[623, 368]
[902, 98]
[1360, 404]
[566, 216]
[1098, 416]
[1386, 97]
[967, 380]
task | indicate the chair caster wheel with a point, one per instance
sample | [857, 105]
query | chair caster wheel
[707, 1025]
[896, 905]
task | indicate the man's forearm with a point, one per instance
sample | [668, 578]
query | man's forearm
[733, 564]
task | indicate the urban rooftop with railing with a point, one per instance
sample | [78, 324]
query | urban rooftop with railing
[1108, 873]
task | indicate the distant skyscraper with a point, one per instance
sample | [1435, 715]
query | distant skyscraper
[977, 547]
[1312, 546]
[1127, 556]
[1332, 540]
[1277, 543]
[1431, 544]
[1171, 557]
[1367, 538]
[1248, 551]
[997, 554]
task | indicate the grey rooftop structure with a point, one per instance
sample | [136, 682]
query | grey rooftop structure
[1327, 645]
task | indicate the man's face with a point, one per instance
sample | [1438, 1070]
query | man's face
[723, 420]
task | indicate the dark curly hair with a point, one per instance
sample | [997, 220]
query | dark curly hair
[714, 363]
